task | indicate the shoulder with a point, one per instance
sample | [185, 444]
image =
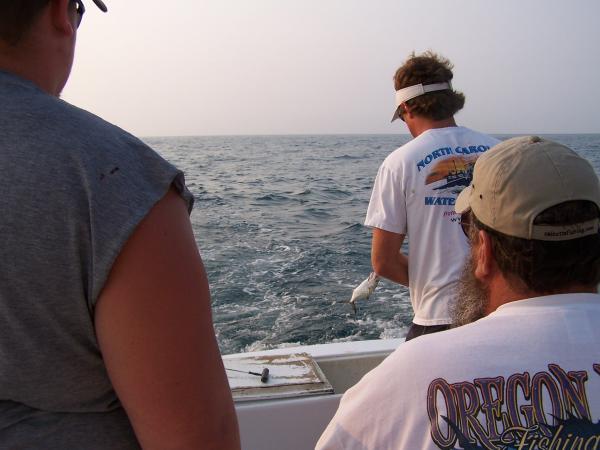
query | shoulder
[388, 408]
[96, 150]
[421, 350]
[67, 145]
[88, 128]
[406, 152]
[52, 120]
[478, 135]
[65, 128]
[426, 357]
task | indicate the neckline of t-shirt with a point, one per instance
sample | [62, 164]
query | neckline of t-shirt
[19, 80]
[548, 301]
[445, 129]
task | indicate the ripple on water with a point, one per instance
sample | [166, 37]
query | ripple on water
[278, 220]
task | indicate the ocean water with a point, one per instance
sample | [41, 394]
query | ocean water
[278, 220]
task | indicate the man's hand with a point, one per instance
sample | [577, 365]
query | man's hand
[386, 258]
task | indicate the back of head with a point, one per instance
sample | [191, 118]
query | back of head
[17, 17]
[429, 68]
[552, 267]
[37, 39]
[539, 202]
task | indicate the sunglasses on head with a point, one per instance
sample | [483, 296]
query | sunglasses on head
[80, 10]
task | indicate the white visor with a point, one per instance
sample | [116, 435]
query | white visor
[410, 92]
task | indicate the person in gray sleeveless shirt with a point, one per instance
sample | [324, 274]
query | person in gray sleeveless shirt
[106, 336]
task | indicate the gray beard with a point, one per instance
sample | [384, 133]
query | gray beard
[472, 297]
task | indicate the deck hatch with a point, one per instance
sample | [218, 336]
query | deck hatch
[290, 375]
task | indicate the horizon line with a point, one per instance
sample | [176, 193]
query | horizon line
[349, 134]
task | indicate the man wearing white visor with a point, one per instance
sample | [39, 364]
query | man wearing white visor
[416, 188]
[522, 368]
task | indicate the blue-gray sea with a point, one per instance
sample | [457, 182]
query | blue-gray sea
[278, 220]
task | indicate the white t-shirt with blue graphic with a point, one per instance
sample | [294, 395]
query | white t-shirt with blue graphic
[414, 194]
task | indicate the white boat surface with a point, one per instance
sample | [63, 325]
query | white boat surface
[290, 409]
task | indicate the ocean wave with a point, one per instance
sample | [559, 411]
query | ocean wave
[278, 220]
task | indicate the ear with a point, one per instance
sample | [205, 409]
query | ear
[62, 14]
[407, 110]
[483, 257]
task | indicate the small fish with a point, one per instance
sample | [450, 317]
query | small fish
[364, 290]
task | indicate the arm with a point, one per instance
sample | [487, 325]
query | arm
[154, 327]
[386, 258]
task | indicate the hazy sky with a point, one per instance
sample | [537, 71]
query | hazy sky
[209, 67]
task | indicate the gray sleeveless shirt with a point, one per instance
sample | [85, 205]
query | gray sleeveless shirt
[73, 188]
